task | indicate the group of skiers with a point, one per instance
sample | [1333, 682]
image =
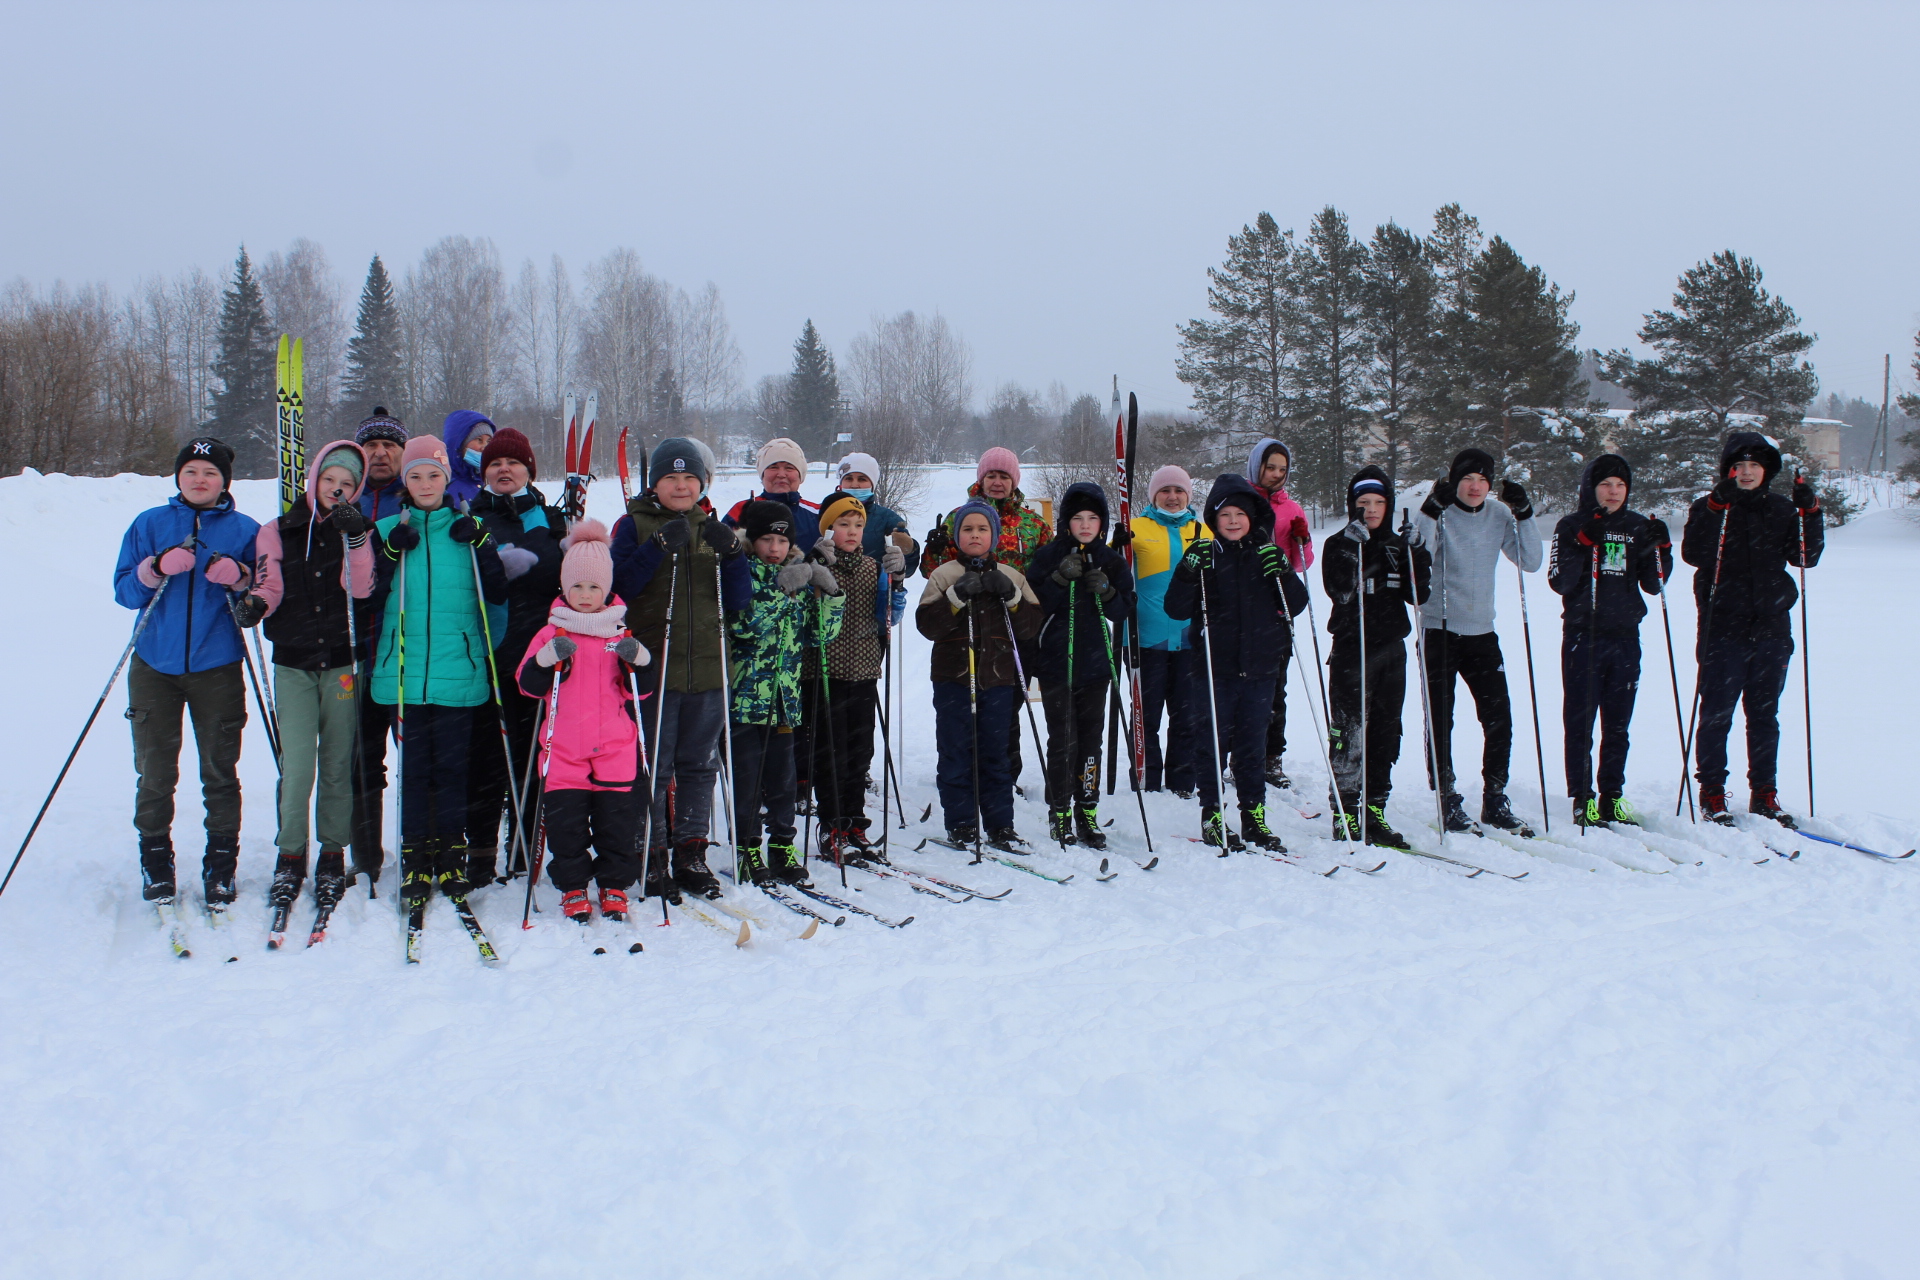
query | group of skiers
[553, 684]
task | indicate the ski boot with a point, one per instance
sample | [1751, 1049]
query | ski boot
[1255, 831]
[156, 868]
[1213, 831]
[754, 865]
[1496, 812]
[862, 852]
[575, 906]
[1007, 840]
[1588, 812]
[1616, 809]
[1277, 774]
[330, 878]
[1765, 802]
[1060, 826]
[217, 870]
[1454, 812]
[690, 870]
[832, 844]
[482, 866]
[289, 873]
[660, 883]
[1185, 793]
[1086, 827]
[416, 873]
[450, 862]
[1713, 805]
[1379, 831]
[785, 864]
[1346, 826]
[613, 904]
[964, 836]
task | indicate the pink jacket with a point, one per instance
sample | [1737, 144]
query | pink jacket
[1289, 520]
[591, 739]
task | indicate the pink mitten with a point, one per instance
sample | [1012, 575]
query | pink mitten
[175, 560]
[226, 572]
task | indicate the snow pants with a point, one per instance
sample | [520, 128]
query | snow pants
[687, 755]
[843, 751]
[1477, 661]
[217, 700]
[763, 781]
[1244, 705]
[1166, 679]
[318, 721]
[1378, 751]
[1598, 675]
[1277, 722]
[487, 777]
[1748, 672]
[433, 772]
[591, 836]
[953, 731]
[1076, 718]
[370, 784]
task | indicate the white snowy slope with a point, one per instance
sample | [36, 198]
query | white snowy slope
[1622, 1065]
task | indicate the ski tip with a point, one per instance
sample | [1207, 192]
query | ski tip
[1150, 864]
[599, 951]
[838, 921]
[904, 923]
[635, 949]
[1523, 875]
[275, 943]
[1475, 872]
[927, 812]
[1103, 866]
[813, 927]
[1898, 856]
[1065, 878]
[745, 935]
[233, 959]
[1328, 873]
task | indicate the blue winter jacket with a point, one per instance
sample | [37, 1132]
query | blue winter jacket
[465, 484]
[378, 504]
[806, 516]
[191, 628]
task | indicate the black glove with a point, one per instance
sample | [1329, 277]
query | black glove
[1273, 561]
[1437, 501]
[1198, 560]
[348, 519]
[937, 543]
[467, 530]
[1804, 498]
[996, 583]
[1657, 532]
[1516, 499]
[972, 583]
[675, 534]
[249, 611]
[724, 541]
[1071, 567]
[403, 536]
[1357, 530]
[1121, 536]
[1724, 493]
[1094, 580]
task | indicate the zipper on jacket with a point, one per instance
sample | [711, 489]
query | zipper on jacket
[186, 657]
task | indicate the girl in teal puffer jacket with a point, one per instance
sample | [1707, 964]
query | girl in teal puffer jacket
[430, 663]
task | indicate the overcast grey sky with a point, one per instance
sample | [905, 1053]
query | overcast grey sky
[1055, 179]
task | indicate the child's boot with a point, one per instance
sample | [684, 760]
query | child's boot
[1086, 827]
[755, 866]
[1060, 826]
[690, 870]
[784, 861]
[613, 903]
[1213, 831]
[1765, 801]
[1255, 831]
[289, 873]
[575, 906]
[330, 877]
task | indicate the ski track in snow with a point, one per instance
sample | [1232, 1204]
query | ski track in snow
[1224, 1067]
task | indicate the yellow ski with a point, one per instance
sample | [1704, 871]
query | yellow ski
[283, 419]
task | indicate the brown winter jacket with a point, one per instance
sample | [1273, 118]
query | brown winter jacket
[945, 623]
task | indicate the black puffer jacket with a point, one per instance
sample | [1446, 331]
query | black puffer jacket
[1751, 592]
[1079, 637]
[1390, 572]
[1620, 545]
[525, 521]
[309, 628]
[1245, 630]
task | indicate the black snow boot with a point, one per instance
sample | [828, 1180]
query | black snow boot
[1455, 812]
[1346, 825]
[1086, 826]
[156, 868]
[218, 868]
[966, 835]
[1213, 831]
[1766, 803]
[1588, 812]
[1060, 826]
[1616, 809]
[1378, 831]
[783, 860]
[1497, 813]
[330, 877]
[690, 870]
[1255, 831]
[660, 877]
[1007, 840]
[289, 873]
[754, 865]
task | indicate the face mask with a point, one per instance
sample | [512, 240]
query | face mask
[473, 459]
[865, 495]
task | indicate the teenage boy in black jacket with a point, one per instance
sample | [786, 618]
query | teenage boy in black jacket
[1740, 539]
[1603, 558]
[1084, 588]
[1371, 572]
[1243, 629]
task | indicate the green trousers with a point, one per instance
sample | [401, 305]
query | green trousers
[318, 719]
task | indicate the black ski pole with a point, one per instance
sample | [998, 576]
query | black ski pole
[1673, 674]
[1533, 700]
[1806, 647]
[659, 712]
[973, 707]
[1705, 634]
[1130, 723]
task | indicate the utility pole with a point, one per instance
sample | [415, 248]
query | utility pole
[1880, 432]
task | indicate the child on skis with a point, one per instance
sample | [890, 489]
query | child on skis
[430, 665]
[581, 666]
[314, 565]
[844, 676]
[1162, 535]
[1603, 558]
[1268, 466]
[1081, 583]
[792, 598]
[976, 610]
[1231, 587]
[191, 553]
[676, 565]
[1373, 574]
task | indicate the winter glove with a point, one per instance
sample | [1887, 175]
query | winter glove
[1437, 501]
[1724, 493]
[225, 571]
[1299, 532]
[403, 536]
[969, 585]
[937, 543]
[1071, 567]
[795, 574]
[823, 579]
[174, 560]
[1657, 533]
[1094, 580]
[631, 652]
[516, 560]
[1357, 529]
[996, 583]
[1198, 560]
[348, 519]
[248, 612]
[1516, 499]
[555, 651]
[1273, 561]
[823, 551]
[893, 561]
[1122, 536]
[724, 541]
[1589, 534]
[466, 530]
[674, 535]
[1804, 499]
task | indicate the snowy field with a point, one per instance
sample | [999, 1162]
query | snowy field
[1626, 1064]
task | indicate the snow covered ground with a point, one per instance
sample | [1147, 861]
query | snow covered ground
[1622, 1065]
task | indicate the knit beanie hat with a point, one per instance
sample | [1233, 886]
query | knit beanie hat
[864, 463]
[205, 449]
[587, 556]
[381, 426]
[999, 458]
[678, 455]
[508, 443]
[759, 518]
[424, 451]
[351, 460]
[1170, 477]
[837, 504]
[780, 449]
[1471, 462]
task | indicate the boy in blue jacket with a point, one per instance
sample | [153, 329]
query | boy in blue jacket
[184, 559]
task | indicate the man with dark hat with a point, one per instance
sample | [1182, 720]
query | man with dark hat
[195, 554]
[384, 440]
[1466, 535]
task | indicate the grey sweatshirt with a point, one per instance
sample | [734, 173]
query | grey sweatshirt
[1465, 558]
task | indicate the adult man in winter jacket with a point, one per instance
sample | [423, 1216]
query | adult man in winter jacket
[1466, 535]
[1268, 466]
[384, 440]
[193, 553]
[783, 468]
[1604, 558]
[1740, 539]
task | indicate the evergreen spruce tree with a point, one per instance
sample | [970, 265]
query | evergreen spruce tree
[1444, 398]
[1524, 373]
[1399, 294]
[1323, 327]
[1910, 405]
[1727, 349]
[1236, 363]
[375, 374]
[666, 407]
[243, 405]
[813, 395]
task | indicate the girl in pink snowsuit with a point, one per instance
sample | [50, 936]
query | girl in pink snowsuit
[581, 665]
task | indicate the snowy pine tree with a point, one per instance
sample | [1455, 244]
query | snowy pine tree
[1399, 291]
[375, 372]
[1524, 373]
[243, 405]
[1323, 324]
[1445, 395]
[813, 394]
[1236, 362]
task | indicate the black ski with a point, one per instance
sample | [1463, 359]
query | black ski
[843, 905]
[321, 918]
[416, 921]
[464, 910]
[778, 893]
[277, 930]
